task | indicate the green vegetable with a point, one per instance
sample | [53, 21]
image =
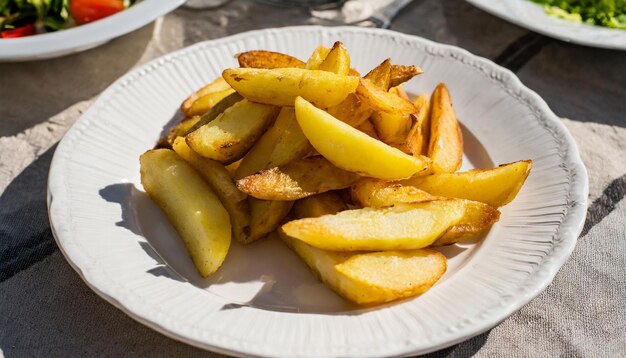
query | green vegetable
[53, 14]
[609, 13]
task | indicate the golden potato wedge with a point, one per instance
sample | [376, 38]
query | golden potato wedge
[376, 277]
[281, 144]
[350, 149]
[313, 206]
[281, 86]
[351, 111]
[381, 100]
[368, 128]
[393, 128]
[190, 205]
[216, 86]
[296, 180]
[376, 193]
[379, 277]
[353, 72]
[354, 111]
[445, 146]
[416, 141]
[400, 92]
[178, 130]
[380, 75]
[206, 102]
[267, 59]
[401, 227]
[229, 136]
[337, 61]
[317, 57]
[422, 100]
[420, 135]
[400, 74]
[220, 180]
[477, 219]
[215, 111]
[266, 216]
[496, 187]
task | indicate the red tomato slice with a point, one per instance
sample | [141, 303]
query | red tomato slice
[21, 31]
[84, 11]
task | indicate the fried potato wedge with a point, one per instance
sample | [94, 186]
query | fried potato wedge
[387, 276]
[215, 111]
[380, 75]
[393, 128]
[229, 136]
[266, 216]
[400, 74]
[381, 100]
[281, 86]
[392, 119]
[400, 92]
[368, 128]
[216, 86]
[445, 146]
[337, 61]
[477, 219]
[351, 111]
[178, 130]
[496, 187]
[190, 205]
[317, 57]
[416, 141]
[296, 180]
[267, 59]
[313, 206]
[350, 149]
[206, 102]
[401, 227]
[280, 144]
[375, 193]
[376, 277]
[219, 179]
[420, 134]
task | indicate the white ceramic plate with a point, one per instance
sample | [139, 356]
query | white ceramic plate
[80, 38]
[527, 14]
[263, 301]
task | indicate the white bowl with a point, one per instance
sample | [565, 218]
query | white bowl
[532, 16]
[264, 301]
[80, 38]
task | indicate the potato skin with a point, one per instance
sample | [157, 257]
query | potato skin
[445, 146]
[496, 186]
[228, 137]
[351, 150]
[220, 180]
[382, 229]
[267, 59]
[190, 205]
[281, 86]
[374, 277]
[296, 180]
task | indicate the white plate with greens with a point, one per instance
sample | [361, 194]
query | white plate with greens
[264, 301]
[83, 37]
[533, 16]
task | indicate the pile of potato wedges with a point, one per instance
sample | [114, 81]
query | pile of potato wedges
[354, 175]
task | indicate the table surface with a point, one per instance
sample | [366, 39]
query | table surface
[45, 308]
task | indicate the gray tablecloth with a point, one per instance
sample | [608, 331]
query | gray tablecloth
[46, 310]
